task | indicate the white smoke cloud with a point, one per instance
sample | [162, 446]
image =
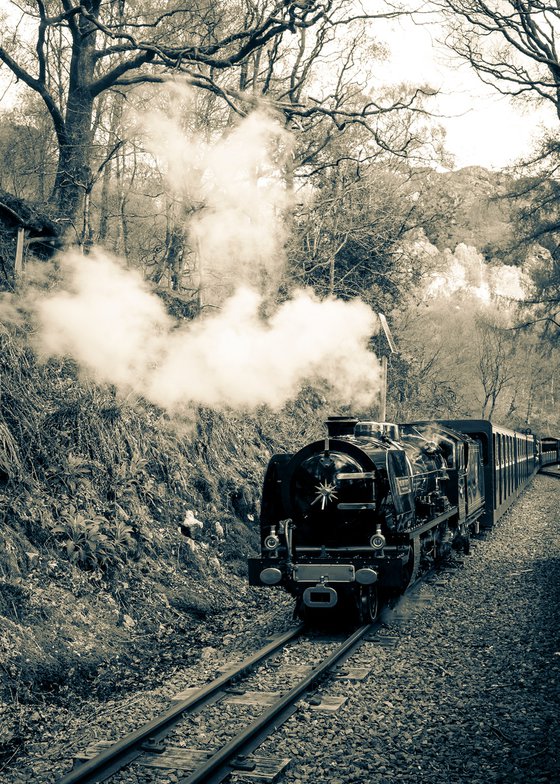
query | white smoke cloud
[109, 319]
[114, 326]
[233, 186]
[104, 317]
[465, 270]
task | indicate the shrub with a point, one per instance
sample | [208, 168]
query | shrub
[88, 546]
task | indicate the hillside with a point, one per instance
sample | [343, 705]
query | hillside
[124, 531]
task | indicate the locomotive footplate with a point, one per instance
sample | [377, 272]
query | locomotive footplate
[387, 568]
[432, 522]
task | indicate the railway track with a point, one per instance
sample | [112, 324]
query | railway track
[149, 743]
[552, 471]
[446, 668]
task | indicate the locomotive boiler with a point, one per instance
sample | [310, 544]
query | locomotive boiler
[357, 516]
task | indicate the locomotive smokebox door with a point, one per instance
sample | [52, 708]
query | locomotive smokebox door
[330, 492]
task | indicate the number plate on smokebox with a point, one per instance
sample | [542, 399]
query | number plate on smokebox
[331, 573]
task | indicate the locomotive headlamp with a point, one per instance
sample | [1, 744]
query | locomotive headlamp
[272, 542]
[366, 576]
[377, 541]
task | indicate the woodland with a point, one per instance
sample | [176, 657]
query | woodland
[217, 200]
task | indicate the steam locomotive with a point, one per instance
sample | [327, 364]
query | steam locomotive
[359, 515]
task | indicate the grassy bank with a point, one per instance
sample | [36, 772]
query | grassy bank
[96, 496]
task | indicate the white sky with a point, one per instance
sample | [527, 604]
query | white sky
[483, 127]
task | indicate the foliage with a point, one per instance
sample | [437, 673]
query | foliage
[104, 480]
[88, 546]
[469, 206]
[536, 216]
[346, 234]
[462, 356]
[27, 151]
[514, 48]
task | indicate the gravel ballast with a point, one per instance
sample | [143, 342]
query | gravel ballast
[470, 691]
[465, 689]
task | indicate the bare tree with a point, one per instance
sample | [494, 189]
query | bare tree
[494, 365]
[512, 45]
[27, 149]
[72, 53]
[104, 46]
[346, 234]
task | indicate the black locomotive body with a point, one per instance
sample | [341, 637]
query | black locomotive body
[363, 511]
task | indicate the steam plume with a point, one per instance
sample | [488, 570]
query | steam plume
[234, 192]
[115, 327]
[233, 189]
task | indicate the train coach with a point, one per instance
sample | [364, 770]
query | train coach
[549, 451]
[510, 459]
[360, 514]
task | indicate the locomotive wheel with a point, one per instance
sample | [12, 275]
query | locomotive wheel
[368, 604]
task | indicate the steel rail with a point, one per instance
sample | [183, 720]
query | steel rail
[552, 472]
[91, 770]
[243, 738]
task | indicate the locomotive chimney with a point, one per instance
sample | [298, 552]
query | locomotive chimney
[340, 426]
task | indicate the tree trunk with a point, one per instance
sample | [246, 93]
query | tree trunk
[106, 179]
[73, 176]
[104, 206]
[174, 257]
[332, 269]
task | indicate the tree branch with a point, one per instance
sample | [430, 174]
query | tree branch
[39, 87]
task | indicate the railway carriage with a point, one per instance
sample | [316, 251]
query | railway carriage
[510, 460]
[549, 451]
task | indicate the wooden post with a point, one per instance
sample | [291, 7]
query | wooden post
[392, 349]
[18, 263]
[383, 406]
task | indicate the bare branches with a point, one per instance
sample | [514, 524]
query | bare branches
[222, 52]
[37, 85]
[112, 77]
[512, 46]
[248, 53]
